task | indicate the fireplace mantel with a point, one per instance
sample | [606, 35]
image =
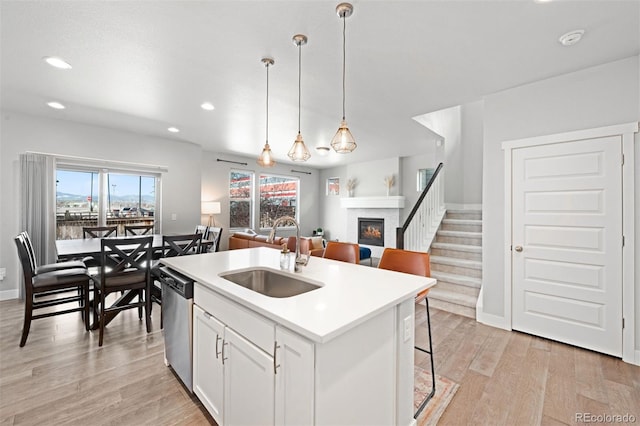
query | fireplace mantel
[390, 202]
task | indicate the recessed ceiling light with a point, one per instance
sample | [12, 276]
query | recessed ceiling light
[571, 38]
[56, 105]
[207, 106]
[173, 129]
[57, 62]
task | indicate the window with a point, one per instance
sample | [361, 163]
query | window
[240, 199]
[86, 197]
[278, 197]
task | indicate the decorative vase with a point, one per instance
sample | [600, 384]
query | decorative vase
[350, 192]
[388, 191]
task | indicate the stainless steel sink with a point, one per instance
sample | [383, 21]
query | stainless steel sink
[270, 282]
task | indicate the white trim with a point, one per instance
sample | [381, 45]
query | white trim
[67, 160]
[492, 320]
[599, 132]
[457, 206]
[9, 294]
[391, 202]
[626, 131]
[628, 251]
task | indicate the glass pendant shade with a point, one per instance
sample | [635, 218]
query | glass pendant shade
[266, 159]
[299, 151]
[343, 141]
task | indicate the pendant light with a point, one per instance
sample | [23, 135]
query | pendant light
[299, 151]
[343, 141]
[266, 158]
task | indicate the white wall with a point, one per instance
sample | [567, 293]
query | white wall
[215, 187]
[461, 127]
[472, 124]
[20, 133]
[370, 177]
[333, 218]
[600, 96]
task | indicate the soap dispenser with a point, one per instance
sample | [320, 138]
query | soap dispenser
[285, 257]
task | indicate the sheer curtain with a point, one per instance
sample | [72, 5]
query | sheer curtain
[37, 205]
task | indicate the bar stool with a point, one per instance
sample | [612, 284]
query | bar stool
[345, 252]
[416, 263]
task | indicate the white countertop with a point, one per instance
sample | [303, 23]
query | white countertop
[350, 294]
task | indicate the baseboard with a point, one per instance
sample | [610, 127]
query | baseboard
[456, 206]
[491, 319]
[9, 294]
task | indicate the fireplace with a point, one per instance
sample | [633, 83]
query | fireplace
[371, 231]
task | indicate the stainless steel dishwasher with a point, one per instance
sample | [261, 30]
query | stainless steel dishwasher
[177, 316]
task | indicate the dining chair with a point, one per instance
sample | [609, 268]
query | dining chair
[204, 230]
[47, 285]
[172, 246]
[415, 263]
[99, 231]
[215, 235]
[134, 230]
[50, 266]
[124, 267]
[345, 252]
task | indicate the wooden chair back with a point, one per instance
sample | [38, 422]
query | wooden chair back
[215, 235]
[134, 230]
[204, 230]
[345, 252]
[180, 245]
[99, 231]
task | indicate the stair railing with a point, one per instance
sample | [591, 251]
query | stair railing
[420, 228]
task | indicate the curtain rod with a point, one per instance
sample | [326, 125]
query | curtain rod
[300, 171]
[233, 162]
[98, 162]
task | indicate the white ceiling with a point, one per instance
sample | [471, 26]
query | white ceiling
[143, 66]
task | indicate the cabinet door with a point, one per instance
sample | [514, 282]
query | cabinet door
[294, 379]
[248, 383]
[208, 333]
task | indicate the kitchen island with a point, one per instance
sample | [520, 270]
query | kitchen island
[339, 354]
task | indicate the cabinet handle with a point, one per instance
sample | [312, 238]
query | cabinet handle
[218, 338]
[275, 363]
[518, 249]
[223, 345]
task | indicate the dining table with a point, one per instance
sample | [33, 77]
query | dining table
[91, 247]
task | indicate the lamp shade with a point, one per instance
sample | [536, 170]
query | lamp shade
[210, 207]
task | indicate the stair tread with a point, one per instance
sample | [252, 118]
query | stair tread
[462, 221]
[457, 279]
[467, 234]
[457, 247]
[454, 261]
[463, 211]
[453, 297]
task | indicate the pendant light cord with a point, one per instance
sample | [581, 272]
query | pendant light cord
[299, 81]
[267, 126]
[344, 60]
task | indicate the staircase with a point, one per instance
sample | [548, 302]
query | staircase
[456, 262]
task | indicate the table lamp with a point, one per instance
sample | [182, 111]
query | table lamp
[210, 208]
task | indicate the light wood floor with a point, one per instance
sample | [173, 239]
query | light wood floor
[61, 376]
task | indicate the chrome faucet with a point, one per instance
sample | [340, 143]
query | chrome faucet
[300, 260]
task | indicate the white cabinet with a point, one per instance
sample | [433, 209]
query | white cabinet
[237, 380]
[248, 382]
[208, 335]
[294, 379]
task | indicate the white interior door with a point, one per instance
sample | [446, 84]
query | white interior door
[567, 242]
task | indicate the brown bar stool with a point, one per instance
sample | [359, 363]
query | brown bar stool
[416, 263]
[345, 252]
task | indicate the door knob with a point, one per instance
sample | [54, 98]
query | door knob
[518, 249]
